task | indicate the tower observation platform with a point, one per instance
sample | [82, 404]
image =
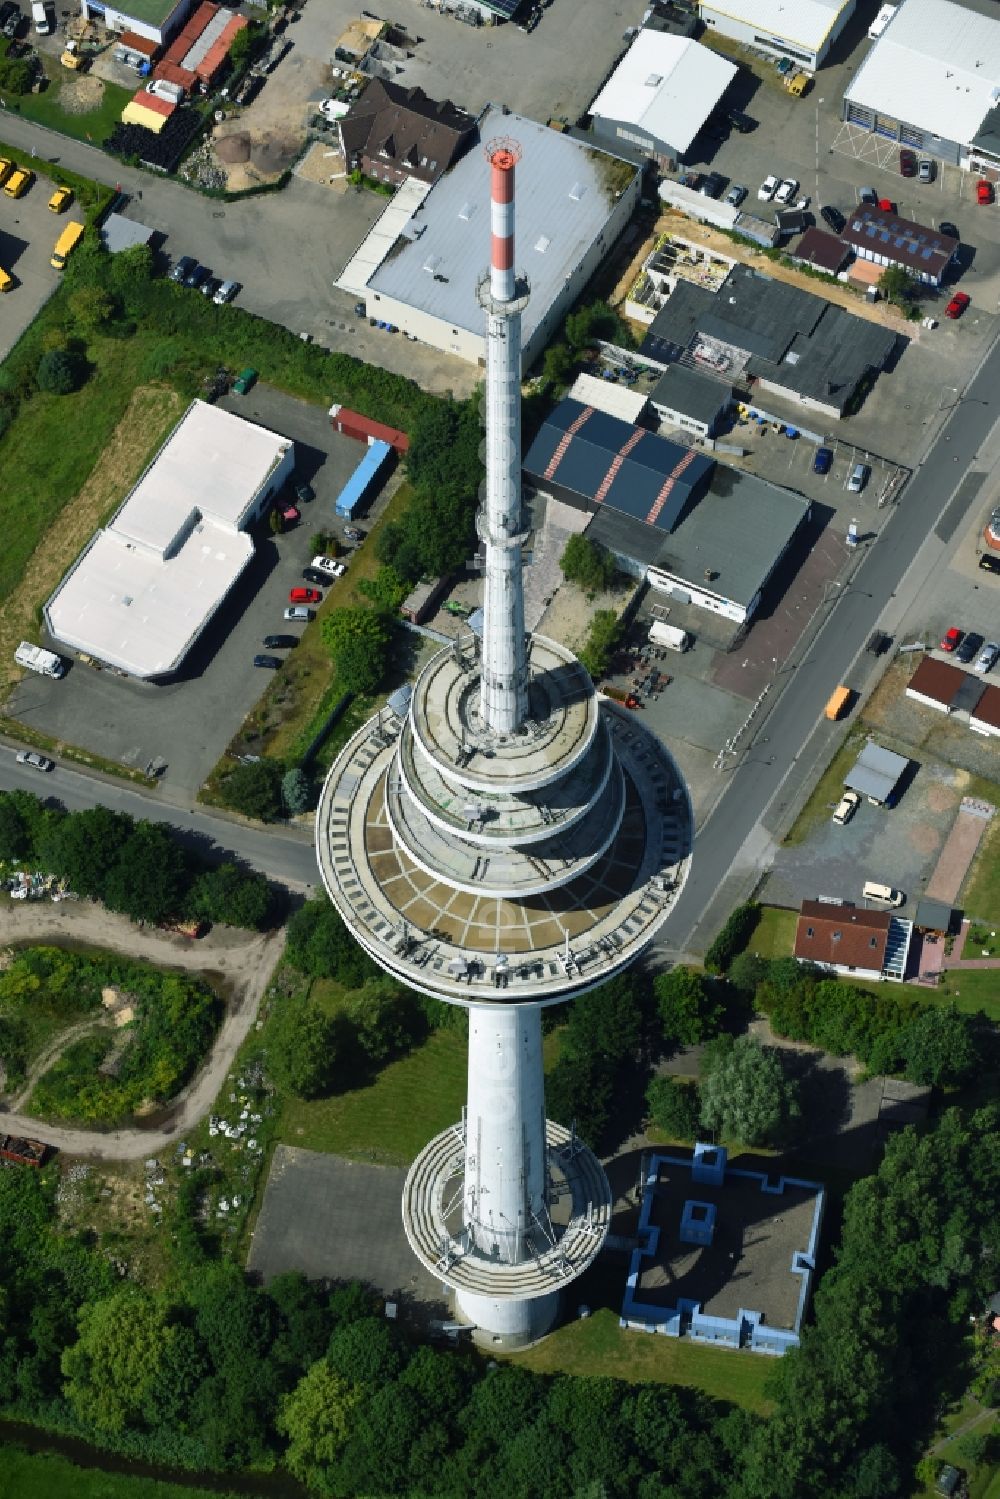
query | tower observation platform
[506, 840]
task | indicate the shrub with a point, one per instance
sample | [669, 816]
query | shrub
[296, 792]
[733, 938]
[588, 564]
[255, 790]
[59, 372]
[602, 638]
[674, 1107]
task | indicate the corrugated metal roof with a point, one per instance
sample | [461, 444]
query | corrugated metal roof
[937, 65]
[565, 196]
[608, 395]
[667, 85]
[876, 772]
[805, 22]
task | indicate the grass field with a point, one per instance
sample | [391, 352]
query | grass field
[48, 108]
[829, 790]
[43, 1475]
[597, 1345]
[774, 934]
[981, 892]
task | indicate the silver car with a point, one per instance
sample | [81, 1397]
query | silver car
[925, 170]
[860, 474]
[986, 660]
[226, 292]
[736, 194]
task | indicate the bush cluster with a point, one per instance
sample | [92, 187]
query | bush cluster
[733, 938]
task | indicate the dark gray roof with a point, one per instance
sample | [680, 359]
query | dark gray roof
[970, 690]
[933, 914]
[417, 134]
[876, 772]
[736, 531]
[693, 394]
[609, 462]
[793, 338]
[915, 246]
[817, 248]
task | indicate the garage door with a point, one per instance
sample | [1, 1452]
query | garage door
[887, 127]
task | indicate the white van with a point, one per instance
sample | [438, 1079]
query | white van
[859, 478]
[671, 636]
[884, 894]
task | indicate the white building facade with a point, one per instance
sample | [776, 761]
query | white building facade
[803, 32]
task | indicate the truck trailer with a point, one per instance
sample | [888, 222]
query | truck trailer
[34, 658]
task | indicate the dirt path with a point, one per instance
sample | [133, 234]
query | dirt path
[49, 1055]
[984, 1415]
[245, 962]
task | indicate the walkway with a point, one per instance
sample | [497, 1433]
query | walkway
[242, 961]
[971, 822]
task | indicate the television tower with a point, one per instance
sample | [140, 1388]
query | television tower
[503, 838]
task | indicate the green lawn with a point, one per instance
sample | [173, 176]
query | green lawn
[43, 1475]
[393, 1117]
[829, 789]
[45, 109]
[597, 1345]
[971, 989]
[774, 935]
[981, 893]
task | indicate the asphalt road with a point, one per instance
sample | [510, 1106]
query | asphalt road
[883, 587]
[284, 854]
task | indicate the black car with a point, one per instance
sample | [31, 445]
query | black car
[182, 270]
[249, 89]
[11, 22]
[741, 122]
[304, 493]
[989, 564]
[281, 642]
[197, 276]
[272, 661]
[9, 11]
[951, 230]
[969, 647]
[834, 218]
[713, 185]
[313, 575]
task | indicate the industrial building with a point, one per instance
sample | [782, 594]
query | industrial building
[777, 337]
[701, 1253]
[609, 396]
[144, 588]
[418, 269]
[932, 81]
[803, 31]
[852, 940]
[392, 133]
[154, 20]
[704, 534]
[659, 96]
[881, 236]
[821, 251]
[503, 838]
[691, 401]
[200, 52]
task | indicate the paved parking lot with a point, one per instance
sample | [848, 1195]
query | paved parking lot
[27, 233]
[189, 722]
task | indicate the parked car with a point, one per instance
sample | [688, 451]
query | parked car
[971, 643]
[18, 182]
[950, 229]
[304, 596]
[768, 188]
[244, 381]
[299, 613]
[328, 565]
[60, 199]
[713, 185]
[691, 180]
[860, 475]
[36, 761]
[736, 194]
[280, 642]
[823, 460]
[984, 191]
[248, 89]
[987, 657]
[197, 276]
[867, 195]
[6, 167]
[11, 21]
[833, 218]
[949, 640]
[989, 564]
[210, 287]
[182, 268]
[313, 575]
[353, 534]
[273, 662]
[846, 807]
[907, 162]
[304, 493]
[957, 305]
[290, 514]
[225, 293]
[925, 169]
[786, 191]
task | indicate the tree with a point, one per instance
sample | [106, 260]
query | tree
[85, 847]
[254, 789]
[366, 1352]
[386, 1018]
[744, 1093]
[16, 75]
[90, 307]
[59, 372]
[232, 896]
[130, 270]
[602, 638]
[320, 945]
[358, 641]
[118, 1359]
[148, 876]
[689, 1011]
[558, 363]
[897, 285]
[588, 564]
[317, 1418]
[733, 938]
[243, 44]
[302, 1047]
[674, 1107]
[941, 1047]
[296, 792]
[15, 842]
[748, 971]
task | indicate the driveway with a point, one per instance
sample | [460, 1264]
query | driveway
[243, 962]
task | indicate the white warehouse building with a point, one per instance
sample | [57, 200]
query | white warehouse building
[802, 30]
[660, 95]
[419, 266]
[143, 589]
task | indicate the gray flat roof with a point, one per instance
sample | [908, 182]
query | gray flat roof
[120, 233]
[736, 530]
[566, 192]
[688, 391]
[876, 772]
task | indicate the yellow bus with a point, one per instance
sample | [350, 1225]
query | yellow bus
[65, 243]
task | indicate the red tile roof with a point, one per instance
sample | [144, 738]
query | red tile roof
[987, 710]
[846, 936]
[136, 43]
[154, 104]
[938, 680]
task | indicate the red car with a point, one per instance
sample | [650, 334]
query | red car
[304, 596]
[950, 640]
[957, 305]
[984, 191]
[887, 205]
[907, 163]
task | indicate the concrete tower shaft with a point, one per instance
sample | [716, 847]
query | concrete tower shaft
[504, 689]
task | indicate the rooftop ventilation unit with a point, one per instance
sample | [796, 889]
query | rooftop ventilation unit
[654, 80]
